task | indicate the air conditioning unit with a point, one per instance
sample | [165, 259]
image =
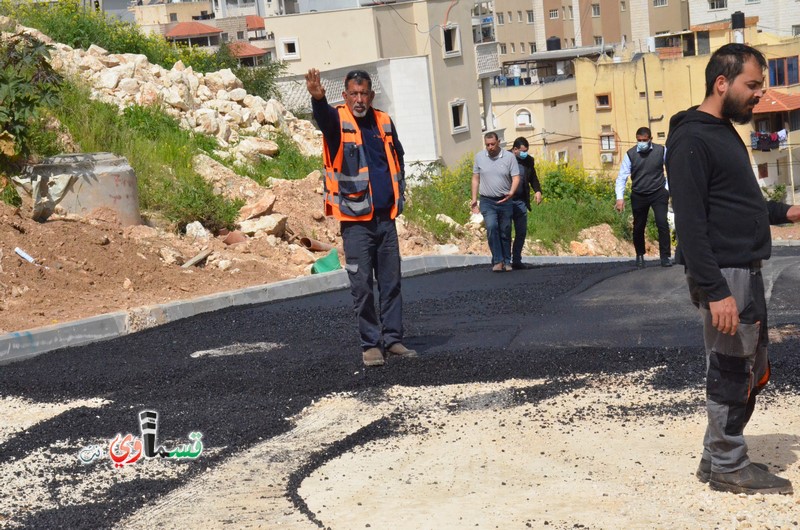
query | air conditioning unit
[607, 158]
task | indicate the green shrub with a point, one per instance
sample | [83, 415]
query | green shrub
[27, 84]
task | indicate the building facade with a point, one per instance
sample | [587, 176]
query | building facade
[387, 42]
[616, 98]
[778, 17]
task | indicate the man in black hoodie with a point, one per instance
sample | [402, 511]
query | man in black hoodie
[722, 222]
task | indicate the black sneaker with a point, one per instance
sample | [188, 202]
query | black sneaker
[521, 266]
[751, 479]
[666, 262]
[703, 472]
[640, 261]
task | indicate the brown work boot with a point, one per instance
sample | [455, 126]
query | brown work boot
[750, 479]
[373, 357]
[703, 472]
[398, 350]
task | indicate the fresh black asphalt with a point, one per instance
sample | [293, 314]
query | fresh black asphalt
[469, 325]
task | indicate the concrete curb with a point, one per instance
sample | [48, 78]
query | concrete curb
[21, 345]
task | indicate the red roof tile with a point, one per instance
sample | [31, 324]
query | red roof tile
[254, 22]
[243, 49]
[774, 101]
[191, 29]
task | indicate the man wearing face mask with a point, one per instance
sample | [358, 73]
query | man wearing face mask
[644, 163]
[522, 200]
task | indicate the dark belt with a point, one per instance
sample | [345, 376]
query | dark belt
[754, 265]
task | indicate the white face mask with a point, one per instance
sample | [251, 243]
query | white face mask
[642, 146]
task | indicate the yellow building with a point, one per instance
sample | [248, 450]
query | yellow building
[618, 96]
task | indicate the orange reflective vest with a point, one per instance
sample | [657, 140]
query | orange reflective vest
[348, 194]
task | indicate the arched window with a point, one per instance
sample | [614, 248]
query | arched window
[523, 119]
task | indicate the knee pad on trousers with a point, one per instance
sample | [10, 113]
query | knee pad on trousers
[728, 383]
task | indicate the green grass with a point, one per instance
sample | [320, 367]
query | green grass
[573, 201]
[158, 150]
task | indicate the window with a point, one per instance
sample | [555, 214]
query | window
[642, 95]
[569, 12]
[521, 47]
[503, 49]
[603, 101]
[606, 129]
[658, 94]
[452, 41]
[622, 6]
[530, 16]
[572, 108]
[523, 119]
[659, 3]
[783, 71]
[513, 48]
[661, 135]
[240, 35]
[608, 142]
[553, 14]
[573, 42]
[501, 19]
[532, 47]
[173, 17]
[796, 31]
[553, 103]
[718, 4]
[598, 40]
[224, 37]
[510, 17]
[519, 16]
[794, 120]
[290, 49]
[561, 157]
[595, 10]
[458, 114]
[752, 1]
[763, 171]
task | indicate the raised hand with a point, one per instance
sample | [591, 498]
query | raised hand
[314, 85]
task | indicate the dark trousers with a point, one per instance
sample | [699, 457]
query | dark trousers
[737, 367]
[372, 247]
[641, 204]
[520, 218]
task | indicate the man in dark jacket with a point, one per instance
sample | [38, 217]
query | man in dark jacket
[522, 199]
[644, 163]
[722, 221]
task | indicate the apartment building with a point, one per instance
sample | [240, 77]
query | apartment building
[559, 24]
[616, 98]
[777, 17]
[427, 79]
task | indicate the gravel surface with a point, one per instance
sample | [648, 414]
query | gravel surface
[560, 397]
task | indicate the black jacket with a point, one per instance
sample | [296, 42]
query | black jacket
[528, 180]
[721, 217]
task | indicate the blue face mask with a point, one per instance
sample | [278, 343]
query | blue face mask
[642, 146]
[523, 154]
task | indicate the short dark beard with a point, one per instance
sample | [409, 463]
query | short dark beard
[732, 111]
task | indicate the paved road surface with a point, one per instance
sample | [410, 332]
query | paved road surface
[237, 375]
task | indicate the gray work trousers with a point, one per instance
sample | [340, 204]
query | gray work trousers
[737, 367]
[371, 247]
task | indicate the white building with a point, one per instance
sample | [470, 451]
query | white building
[778, 17]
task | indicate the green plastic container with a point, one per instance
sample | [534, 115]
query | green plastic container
[327, 264]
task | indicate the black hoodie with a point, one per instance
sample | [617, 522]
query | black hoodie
[721, 217]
